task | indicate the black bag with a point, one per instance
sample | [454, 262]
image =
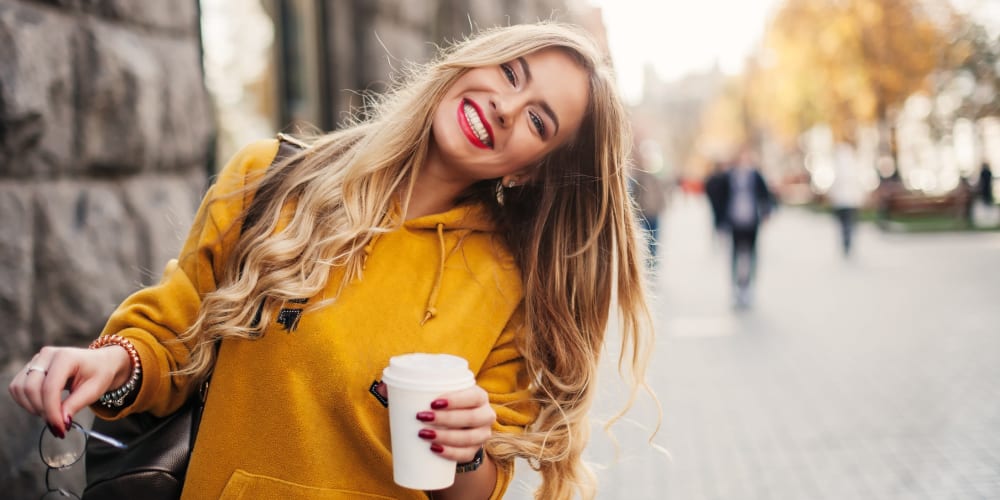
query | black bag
[159, 448]
[153, 466]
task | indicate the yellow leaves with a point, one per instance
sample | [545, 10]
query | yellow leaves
[844, 61]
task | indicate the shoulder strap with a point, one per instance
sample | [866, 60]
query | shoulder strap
[287, 148]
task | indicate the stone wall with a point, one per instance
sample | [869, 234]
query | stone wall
[105, 128]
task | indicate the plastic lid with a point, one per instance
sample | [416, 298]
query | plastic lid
[428, 372]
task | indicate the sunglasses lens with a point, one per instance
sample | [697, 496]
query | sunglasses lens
[58, 453]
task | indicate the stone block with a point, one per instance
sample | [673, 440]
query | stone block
[144, 104]
[177, 16]
[16, 273]
[164, 208]
[120, 89]
[86, 260]
[37, 116]
[187, 118]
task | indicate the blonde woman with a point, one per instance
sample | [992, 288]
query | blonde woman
[481, 211]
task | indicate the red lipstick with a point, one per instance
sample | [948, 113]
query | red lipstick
[466, 127]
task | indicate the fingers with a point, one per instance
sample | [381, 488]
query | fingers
[458, 445]
[466, 398]
[61, 369]
[86, 394]
[16, 390]
[38, 388]
[26, 388]
[458, 424]
[460, 418]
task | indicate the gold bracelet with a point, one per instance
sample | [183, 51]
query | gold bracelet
[116, 398]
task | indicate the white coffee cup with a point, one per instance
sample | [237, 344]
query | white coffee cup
[413, 381]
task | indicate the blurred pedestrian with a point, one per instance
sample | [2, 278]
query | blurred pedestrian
[651, 195]
[846, 194]
[481, 210]
[985, 186]
[746, 203]
[715, 191]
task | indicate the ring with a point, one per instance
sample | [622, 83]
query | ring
[34, 368]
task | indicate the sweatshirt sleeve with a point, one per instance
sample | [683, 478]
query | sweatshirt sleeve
[504, 377]
[153, 316]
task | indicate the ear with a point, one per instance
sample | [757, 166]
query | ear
[526, 175]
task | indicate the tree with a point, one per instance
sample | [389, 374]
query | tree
[971, 71]
[843, 63]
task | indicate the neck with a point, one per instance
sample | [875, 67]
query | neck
[433, 192]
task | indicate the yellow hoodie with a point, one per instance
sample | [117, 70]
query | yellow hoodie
[291, 415]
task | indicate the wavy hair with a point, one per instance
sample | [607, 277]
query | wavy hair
[572, 233]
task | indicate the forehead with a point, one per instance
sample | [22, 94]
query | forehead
[563, 83]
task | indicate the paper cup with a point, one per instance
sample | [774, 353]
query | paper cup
[413, 381]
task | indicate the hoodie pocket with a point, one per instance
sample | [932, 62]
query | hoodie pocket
[244, 485]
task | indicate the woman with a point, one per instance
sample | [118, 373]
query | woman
[482, 211]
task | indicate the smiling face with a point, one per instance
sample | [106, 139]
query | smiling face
[502, 120]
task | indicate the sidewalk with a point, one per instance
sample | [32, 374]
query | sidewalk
[872, 378]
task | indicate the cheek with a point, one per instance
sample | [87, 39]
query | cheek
[527, 150]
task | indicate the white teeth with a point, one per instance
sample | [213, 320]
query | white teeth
[477, 125]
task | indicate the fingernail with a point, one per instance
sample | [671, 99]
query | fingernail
[425, 416]
[56, 432]
[427, 434]
[68, 421]
[439, 404]
[436, 448]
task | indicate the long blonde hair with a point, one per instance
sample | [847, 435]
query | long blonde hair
[572, 233]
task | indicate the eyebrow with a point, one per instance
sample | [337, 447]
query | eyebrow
[544, 105]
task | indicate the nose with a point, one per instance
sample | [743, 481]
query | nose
[505, 106]
[499, 110]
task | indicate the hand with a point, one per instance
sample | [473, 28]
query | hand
[458, 423]
[86, 373]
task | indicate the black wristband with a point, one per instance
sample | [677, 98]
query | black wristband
[472, 464]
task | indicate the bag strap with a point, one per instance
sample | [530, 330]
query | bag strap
[287, 147]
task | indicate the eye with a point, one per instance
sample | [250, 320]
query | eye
[539, 124]
[509, 73]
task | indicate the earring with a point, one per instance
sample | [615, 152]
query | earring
[511, 183]
[499, 192]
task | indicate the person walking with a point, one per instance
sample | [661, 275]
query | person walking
[481, 210]
[846, 193]
[651, 196]
[985, 184]
[746, 202]
[716, 186]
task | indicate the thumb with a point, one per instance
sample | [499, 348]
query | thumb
[85, 394]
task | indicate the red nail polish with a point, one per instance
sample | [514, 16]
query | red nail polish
[436, 448]
[427, 434]
[68, 422]
[425, 416]
[56, 432]
[439, 404]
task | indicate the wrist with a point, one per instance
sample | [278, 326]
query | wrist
[473, 464]
[116, 356]
[128, 373]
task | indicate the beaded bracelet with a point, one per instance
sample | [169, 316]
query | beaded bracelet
[116, 398]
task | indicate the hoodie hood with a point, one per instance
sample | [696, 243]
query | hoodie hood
[473, 217]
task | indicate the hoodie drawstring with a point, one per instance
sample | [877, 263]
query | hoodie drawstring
[432, 299]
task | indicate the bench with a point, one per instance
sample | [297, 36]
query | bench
[901, 202]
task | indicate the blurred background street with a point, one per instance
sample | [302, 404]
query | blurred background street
[873, 377]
